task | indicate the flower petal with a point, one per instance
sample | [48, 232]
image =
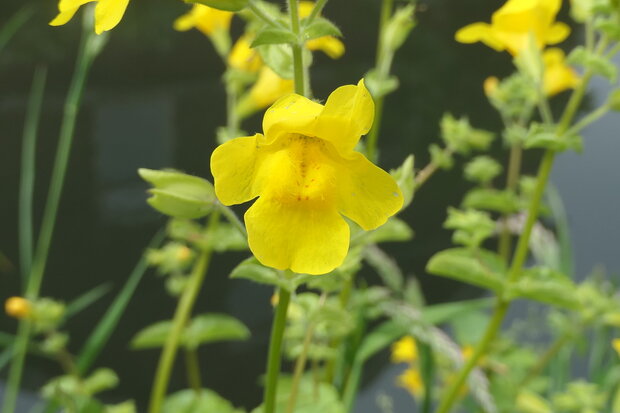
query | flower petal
[108, 14]
[67, 9]
[366, 193]
[297, 236]
[236, 167]
[479, 32]
[348, 114]
[557, 33]
[329, 45]
[291, 114]
[269, 87]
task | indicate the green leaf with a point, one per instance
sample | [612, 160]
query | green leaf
[543, 136]
[188, 401]
[202, 329]
[489, 199]
[379, 85]
[320, 27]
[547, 286]
[208, 328]
[279, 58]
[386, 267]
[477, 267]
[227, 238]
[598, 64]
[440, 313]
[378, 339]
[251, 269]
[178, 194]
[394, 229]
[405, 178]
[312, 397]
[227, 5]
[272, 35]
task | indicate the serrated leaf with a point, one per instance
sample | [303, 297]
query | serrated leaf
[440, 313]
[489, 199]
[227, 5]
[208, 328]
[274, 36]
[547, 286]
[405, 178]
[188, 401]
[279, 58]
[477, 267]
[320, 27]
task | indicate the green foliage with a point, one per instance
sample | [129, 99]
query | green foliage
[514, 98]
[471, 227]
[319, 27]
[581, 397]
[279, 58]
[442, 313]
[398, 28]
[482, 169]
[189, 401]
[251, 269]
[47, 314]
[503, 201]
[614, 100]
[379, 85]
[547, 286]
[441, 157]
[477, 267]
[179, 195]
[202, 329]
[546, 137]
[404, 176]
[461, 137]
[271, 35]
[312, 397]
[599, 65]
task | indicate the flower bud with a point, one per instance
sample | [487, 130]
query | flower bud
[18, 307]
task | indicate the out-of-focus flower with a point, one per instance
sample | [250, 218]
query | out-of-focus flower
[204, 18]
[490, 85]
[268, 88]
[513, 24]
[108, 13]
[306, 174]
[404, 350]
[411, 380]
[18, 307]
[329, 45]
[616, 345]
[558, 76]
[243, 57]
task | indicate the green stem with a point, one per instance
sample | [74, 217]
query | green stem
[275, 350]
[428, 171]
[260, 13]
[232, 120]
[427, 367]
[300, 366]
[193, 370]
[181, 317]
[15, 23]
[33, 283]
[589, 118]
[512, 179]
[316, 11]
[233, 219]
[298, 63]
[547, 357]
[28, 167]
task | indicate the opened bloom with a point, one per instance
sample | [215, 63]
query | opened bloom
[411, 380]
[513, 24]
[329, 45]
[558, 76]
[205, 19]
[108, 13]
[306, 175]
[404, 350]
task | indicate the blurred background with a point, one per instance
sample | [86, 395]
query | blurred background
[154, 98]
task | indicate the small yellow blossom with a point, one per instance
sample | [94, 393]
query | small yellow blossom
[411, 380]
[204, 18]
[18, 307]
[467, 351]
[108, 13]
[558, 76]
[404, 350]
[616, 345]
[329, 45]
[490, 85]
[243, 57]
[513, 24]
[306, 175]
[268, 88]
[184, 253]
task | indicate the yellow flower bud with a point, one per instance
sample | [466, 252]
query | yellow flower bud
[184, 253]
[404, 350]
[17, 307]
[490, 85]
[616, 345]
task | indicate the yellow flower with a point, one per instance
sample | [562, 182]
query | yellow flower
[616, 345]
[17, 307]
[108, 13]
[243, 57]
[512, 25]
[205, 19]
[404, 350]
[490, 85]
[411, 380]
[558, 76]
[329, 45]
[307, 175]
[268, 88]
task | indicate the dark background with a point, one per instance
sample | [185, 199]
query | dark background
[154, 99]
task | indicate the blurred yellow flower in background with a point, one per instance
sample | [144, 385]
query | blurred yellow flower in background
[513, 24]
[558, 76]
[616, 345]
[205, 19]
[411, 380]
[329, 45]
[306, 175]
[108, 13]
[243, 57]
[268, 88]
[404, 350]
[17, 307]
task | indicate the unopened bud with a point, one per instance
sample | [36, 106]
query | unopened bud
[17, 307]
[184, 254]
[490, 85]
